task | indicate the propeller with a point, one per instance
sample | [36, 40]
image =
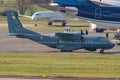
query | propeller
[86, 32]
[82, 32]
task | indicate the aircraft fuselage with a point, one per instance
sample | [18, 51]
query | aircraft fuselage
[100, 13]
[69, 43]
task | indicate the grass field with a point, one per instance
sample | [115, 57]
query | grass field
[48, 28]
[3, 20]
[64, 65]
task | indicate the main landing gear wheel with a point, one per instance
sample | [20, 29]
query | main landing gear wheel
[63, 24]
[101, 51]
[66, 51]
[35, 25]
[50, 23]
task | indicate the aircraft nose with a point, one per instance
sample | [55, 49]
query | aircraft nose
[112, 45]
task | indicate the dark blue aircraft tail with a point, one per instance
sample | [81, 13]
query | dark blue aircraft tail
[14, 25]
[75, 2]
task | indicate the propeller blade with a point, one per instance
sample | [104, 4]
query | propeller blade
[86, 32]
[82, 32]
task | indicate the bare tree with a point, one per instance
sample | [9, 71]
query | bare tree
[41, 1]
[22, 5]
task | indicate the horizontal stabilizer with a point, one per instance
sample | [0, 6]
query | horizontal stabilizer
[20, 15]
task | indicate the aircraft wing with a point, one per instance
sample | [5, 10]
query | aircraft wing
[55, 8]
[58, 8]
[101, 3]
[60, 34]
[68, 34]
[70, 12]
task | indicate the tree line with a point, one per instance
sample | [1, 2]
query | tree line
[23, 5]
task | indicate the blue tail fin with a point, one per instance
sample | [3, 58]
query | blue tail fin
[14, 25]
[74, 2]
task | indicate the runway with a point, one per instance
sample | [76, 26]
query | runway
[10, 44]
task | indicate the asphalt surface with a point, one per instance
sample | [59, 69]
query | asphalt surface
[10, 44]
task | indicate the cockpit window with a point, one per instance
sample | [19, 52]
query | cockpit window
[36, 14]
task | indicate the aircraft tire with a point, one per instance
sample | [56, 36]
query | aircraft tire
[36, 25]
[64, 24]
[50, 23]
[101, 51]
[66, 51]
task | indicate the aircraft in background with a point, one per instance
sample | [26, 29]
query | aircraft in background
[65, 41]
[106, 16]
[97, 28]
[50, 16]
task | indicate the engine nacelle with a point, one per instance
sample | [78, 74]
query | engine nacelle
[73, 11]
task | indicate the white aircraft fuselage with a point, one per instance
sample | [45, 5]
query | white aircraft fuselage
[49, 16]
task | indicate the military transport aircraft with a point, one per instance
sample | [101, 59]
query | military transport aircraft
[107, 16]
[66, 42]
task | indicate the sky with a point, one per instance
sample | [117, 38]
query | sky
[113, 2]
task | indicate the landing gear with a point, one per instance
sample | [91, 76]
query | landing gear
[63, 23]
[101, 51]
[35, 25]
[66, 51]
[50, 23]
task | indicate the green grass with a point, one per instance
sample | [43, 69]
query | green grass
[29, 21]
[9, 1]
[49, 28]
[3, 20]
[64, 65]
[56, 28]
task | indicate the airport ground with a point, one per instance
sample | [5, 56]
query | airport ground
[25, 53]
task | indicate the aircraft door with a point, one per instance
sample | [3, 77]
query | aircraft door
[98, 13]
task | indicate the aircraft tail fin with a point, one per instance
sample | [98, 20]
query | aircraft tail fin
[75, 2]
[14, 25]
